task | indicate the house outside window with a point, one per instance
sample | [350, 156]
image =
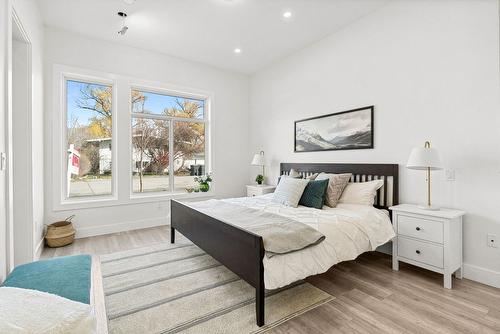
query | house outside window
[89, 131]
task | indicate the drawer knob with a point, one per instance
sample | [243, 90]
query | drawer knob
[417, 251]
[418, 228]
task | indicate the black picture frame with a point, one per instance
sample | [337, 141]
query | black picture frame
[353, 146]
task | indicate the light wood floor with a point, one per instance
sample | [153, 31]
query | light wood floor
[370, 297]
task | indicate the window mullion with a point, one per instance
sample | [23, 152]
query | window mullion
[171, 155]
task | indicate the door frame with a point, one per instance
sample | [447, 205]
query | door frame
[5, 36]
[21, 230]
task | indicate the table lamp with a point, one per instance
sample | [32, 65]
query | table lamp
[258, 160]
[428, 159]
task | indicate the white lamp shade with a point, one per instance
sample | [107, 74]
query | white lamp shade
[422, 158]
[258, 160]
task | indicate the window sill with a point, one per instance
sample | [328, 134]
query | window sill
[158, 197]
[133, 200]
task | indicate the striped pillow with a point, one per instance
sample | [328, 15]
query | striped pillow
[310, 177]
[289, 191]
[335, 188]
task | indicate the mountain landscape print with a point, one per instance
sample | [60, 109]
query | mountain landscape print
[347, 130]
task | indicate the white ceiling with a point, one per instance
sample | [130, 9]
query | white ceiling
[208, 31]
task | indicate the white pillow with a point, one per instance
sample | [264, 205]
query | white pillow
[31, 311]
[289, 191]
[361, 192]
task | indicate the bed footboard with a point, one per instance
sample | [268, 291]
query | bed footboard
[239, 250]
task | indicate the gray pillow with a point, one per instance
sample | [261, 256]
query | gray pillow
[336, 186]
[289, 191]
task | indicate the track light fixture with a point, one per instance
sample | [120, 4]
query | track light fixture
[124, 28]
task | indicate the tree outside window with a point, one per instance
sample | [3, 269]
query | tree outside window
[89, 119]
[154, 115]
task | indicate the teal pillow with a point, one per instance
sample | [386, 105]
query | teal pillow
[314, 194]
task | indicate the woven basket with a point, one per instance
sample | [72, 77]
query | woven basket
[60, 233]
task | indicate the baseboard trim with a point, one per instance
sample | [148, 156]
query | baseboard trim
[92, 231]
[481, 275]
[39, 249]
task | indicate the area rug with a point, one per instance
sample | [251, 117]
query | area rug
[180, 289]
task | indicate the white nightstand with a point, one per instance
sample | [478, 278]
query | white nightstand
[256, 190]
[428, 239]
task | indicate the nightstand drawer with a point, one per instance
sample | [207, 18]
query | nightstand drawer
[253, 192]
[421, 251]
[429, 230]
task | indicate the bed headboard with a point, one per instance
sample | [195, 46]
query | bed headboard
[387, 196]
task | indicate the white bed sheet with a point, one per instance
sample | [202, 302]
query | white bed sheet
[350, 230]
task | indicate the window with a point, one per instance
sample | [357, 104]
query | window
[168, 141]
[88, 143]
[110, 128]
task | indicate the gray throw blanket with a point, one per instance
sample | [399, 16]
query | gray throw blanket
[281, 235]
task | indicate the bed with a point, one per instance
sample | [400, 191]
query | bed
[243, 251]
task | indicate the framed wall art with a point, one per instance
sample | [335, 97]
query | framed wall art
[346, 130]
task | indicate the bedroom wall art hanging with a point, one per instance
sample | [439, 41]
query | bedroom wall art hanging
[346, 130]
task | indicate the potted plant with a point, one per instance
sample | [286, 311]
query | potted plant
[259, 179]
[204, 182]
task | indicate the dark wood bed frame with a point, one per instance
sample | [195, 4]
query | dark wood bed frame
[242, 251]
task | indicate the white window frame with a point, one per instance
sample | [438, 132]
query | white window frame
[59, 134]
[122, 148]
[182, 93]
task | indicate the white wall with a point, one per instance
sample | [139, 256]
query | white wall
[229, 133]
[431, 68]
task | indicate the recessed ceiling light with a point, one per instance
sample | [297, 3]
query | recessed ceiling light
[287, 14]
[237, 50]
[129, 2]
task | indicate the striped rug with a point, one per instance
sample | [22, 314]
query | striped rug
[178, 288]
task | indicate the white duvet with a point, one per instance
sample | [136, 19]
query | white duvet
[350, 230]
[24, 311]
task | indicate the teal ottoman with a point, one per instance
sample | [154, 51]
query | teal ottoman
[68, 277]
